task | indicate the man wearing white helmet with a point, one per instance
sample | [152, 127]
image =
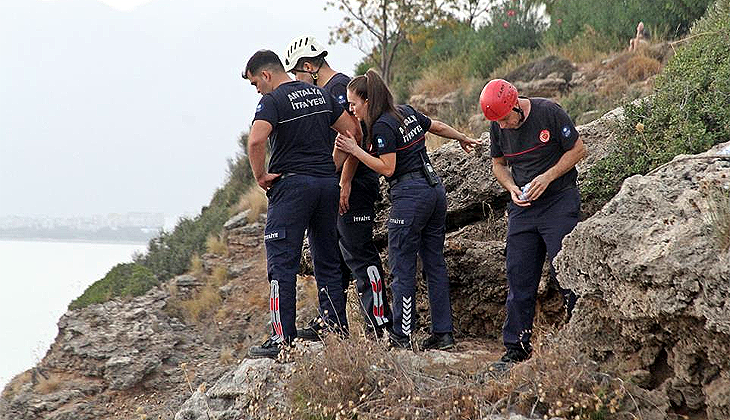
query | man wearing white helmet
[359, 189]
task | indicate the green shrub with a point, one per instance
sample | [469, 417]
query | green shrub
[512, 25]
[169, 254]
[123, 281]
[688, 114]
[577, 102]
[617, 20]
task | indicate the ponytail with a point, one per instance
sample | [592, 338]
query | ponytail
[371, 87]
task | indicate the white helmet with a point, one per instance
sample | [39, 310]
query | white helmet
[305, 46]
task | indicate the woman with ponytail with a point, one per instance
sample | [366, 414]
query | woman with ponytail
[394, 146]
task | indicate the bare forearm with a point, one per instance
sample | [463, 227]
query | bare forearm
[378, 164]
[567, 161]
[257, 157]
[503, 175]
[348, 169]
[339, 157]
[444, 130]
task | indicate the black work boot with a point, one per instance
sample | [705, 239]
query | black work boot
[439, 341]
[313, 331]
[509, 359]
[398, 341]
[270, 348]
[514, 355]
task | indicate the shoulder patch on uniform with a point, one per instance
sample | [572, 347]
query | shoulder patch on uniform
[259, 107]
[567, 131]
[341, 99]
[545, 136]
[381, 142]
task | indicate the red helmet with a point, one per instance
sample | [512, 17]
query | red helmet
[497, 99]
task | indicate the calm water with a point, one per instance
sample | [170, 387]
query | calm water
[37, 282]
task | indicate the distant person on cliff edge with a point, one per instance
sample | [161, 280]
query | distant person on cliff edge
[359, 189]
[302, 187]
[535, 148]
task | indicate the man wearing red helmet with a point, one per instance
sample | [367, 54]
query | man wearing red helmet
[534, 150]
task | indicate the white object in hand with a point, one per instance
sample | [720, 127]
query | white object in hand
[524, 196]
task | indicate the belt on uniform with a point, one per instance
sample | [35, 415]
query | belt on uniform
[282, 176]
[406, 176]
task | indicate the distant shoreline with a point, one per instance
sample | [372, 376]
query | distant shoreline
[74, 240]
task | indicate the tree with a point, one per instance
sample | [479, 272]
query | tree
[379, 27]
[469, 10]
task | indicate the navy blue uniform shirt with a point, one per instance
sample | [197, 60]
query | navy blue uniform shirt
[337, 87]
[537, 145]
[406, 139]
[364, 176]
[301, 116]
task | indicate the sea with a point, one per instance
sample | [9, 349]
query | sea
[38, 279]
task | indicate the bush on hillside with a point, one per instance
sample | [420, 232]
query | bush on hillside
[617, 20]
[688, 114]
[511, 26]
[171, 253]
[124, 281]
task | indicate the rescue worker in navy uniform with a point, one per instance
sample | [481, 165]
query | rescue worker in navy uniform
[535, 148]
[416, 225]
[359, 189]
[302, 188]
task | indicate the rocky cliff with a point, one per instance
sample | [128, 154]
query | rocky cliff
[655, 286]
[653, 310]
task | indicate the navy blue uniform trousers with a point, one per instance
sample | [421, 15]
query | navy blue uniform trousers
[360, 258]
[532, 233]
[417, 227]
[298, 203]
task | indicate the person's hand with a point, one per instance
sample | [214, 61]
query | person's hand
[538, 186]
[345, 189]
[515, 193]
[346, 143]
[468, 144]
[266, 180]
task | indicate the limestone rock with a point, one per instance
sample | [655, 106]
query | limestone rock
[432, 106]
[655, 287]
[544, 88]
[246, 392]
[543, 68]
[239, 220]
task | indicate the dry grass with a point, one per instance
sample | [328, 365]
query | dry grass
[196, 266]
[587, 46]
[16, 384]
[216, 245]
[219, 277]
[357, 378]
[558, 381]
[441, 79]
[204, 302]
[255, 200]
[226, 356]
[48, 385]
[635, 66]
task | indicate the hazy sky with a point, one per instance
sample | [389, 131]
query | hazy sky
[133, 105]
